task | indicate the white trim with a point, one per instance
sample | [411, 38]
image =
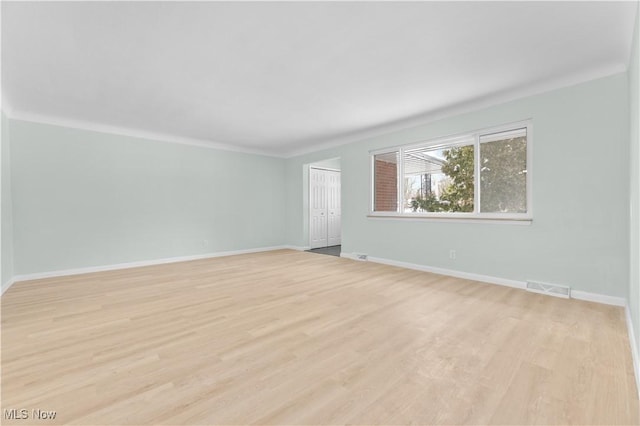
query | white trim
[350, 256]
[458, 139]
[133, 133]
[400, 201]
[6, 106]
[477, 167]
[309, 209]
[473, 137]
[598, 298]
[298, 248]
[467, 107]
[451, 273]
[372, 180]
[113, 267]
[529, 177]
[575, 294]
[77, 271]
[502, 135]
[311, 166]
[5, 286]
[442, 271]
[634, 347]
[329, 142]
[451, 218]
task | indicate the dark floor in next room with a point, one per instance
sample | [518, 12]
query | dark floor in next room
[331, 251]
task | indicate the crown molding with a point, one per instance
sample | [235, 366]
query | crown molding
[6, 106]
[19, 115]
[491, 100]
[495, 99]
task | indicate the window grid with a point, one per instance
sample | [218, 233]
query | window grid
[476, 138]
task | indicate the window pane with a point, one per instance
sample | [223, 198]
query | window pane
[439, 179]
[503, 172]
[385, 179]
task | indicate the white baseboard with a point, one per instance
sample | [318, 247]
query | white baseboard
[349, 256]
[298, 248]
[5, 286]
[635, 358]
[598, 298]
[575, 294]
[442, 271]
[77, 271]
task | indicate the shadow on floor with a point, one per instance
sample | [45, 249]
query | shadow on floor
[331, 251]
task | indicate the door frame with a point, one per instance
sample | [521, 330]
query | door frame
[309, 218]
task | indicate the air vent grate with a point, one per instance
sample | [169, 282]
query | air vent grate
[550, 289]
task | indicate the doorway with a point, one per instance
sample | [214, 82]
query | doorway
[325, 227]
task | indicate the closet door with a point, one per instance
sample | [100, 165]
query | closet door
[318, 208]
[333, 208]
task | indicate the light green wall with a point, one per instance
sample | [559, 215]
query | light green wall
[6, 250]
[634, 114]
[83, 199]
[579, 235]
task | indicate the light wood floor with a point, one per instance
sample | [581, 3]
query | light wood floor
[298, 338]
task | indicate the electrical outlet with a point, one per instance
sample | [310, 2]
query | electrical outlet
[205, 243]
[452, 254]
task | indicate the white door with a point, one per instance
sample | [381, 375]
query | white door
[324, 208]
[318, 208]
[333, 208]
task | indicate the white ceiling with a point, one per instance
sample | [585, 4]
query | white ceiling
[284, 78]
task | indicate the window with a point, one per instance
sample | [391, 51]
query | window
[386, 182]
[481, 175]
[503, 172]
[439, 179]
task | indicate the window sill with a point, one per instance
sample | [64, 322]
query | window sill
[453, 219]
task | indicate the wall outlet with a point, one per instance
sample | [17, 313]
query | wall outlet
[452, 254]
[205, 243]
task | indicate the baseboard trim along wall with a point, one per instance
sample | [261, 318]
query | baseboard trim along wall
[635, 357]
[298, 248]
[598, 298]
[87, 270]
[575, 294]
[5, 286]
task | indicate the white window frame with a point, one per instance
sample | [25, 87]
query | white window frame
[463, 138]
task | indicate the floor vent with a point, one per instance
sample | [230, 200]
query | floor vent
[361, 256]
[550, 289]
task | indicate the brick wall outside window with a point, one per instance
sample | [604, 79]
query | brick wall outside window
[386, 186]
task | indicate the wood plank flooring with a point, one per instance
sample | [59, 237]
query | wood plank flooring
[289, 337]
